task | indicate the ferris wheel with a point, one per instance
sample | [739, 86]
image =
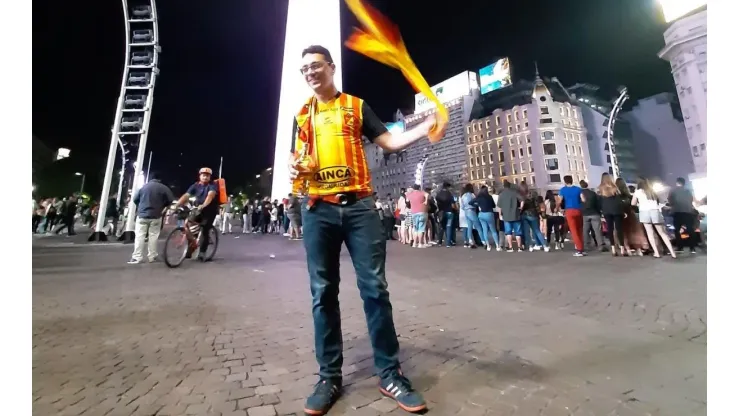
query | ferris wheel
[134, 108]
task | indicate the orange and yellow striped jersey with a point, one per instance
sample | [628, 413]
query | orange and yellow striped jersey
[335, 130]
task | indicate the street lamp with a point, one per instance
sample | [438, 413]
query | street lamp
[82, 186]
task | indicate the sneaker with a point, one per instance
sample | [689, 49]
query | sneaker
[499, 248]
[509, 250]
[398, 388]
[547, 249]
[488, 247]
[531, 249]
[325, 394]
[135, 261]
[578, 254]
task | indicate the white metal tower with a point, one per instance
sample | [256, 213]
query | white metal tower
[133, 112]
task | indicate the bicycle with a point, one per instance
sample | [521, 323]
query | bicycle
[179, 238]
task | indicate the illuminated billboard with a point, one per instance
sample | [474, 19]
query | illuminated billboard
[395, 127]
[62, 153]
[495, 76]
[673, 9]
[459, 85]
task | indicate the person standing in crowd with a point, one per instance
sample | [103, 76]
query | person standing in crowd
[555, 220]
[651, 216]
[681, 202]
[111, 214]
[294, 217]
[418, 200]
[446, 214]
[469, 208]
[591, 212]
[510, 206]
[633, 231]
[572, 203]
[404, 209]
[485, 203]
[68, 212]
[533, 237]
[227, 216]
[343, 212]
[247, 217]
[388, 219]
[151, 201]
[431, 217]
[613, 210]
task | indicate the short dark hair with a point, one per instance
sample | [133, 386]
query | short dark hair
[154, 175]
[568, 180]
[318, 49]
[446, 185]
[428, 190]
[681, 181]
[507, 184]
[583, 184]
[416, 187]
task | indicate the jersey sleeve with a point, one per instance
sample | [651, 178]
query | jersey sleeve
[372, 127]
[191, 190]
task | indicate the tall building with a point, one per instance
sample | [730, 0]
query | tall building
[686, 50]
[596, 110]
[661, 145]
[531, 132]
[446, 159]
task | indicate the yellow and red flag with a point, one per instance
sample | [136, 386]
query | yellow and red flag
[381, 40]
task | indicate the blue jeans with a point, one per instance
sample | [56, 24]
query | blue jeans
[472, 218]
[533, 224]
[488, 223]
[325, 228]
[446, 222]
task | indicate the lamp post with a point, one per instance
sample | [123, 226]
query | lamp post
[82, 186]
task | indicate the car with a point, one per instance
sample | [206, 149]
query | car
[142, 58]
[142, 36]
[139, 79]
[132, 101]
[133, 123]
[142, 12]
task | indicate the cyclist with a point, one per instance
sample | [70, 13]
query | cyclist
[205, 193]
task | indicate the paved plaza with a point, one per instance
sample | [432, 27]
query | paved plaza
[481, 333]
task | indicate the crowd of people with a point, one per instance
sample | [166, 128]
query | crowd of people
[614, 216]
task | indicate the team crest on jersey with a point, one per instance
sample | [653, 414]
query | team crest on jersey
[349, 119]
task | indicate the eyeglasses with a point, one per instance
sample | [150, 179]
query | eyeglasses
[312, 67]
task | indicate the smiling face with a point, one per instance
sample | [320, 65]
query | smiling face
[318, 73]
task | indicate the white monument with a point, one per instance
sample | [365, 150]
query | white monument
[310, 22]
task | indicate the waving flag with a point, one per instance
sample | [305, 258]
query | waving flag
[381, 40]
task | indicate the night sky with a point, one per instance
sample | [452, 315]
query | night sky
[217, 94]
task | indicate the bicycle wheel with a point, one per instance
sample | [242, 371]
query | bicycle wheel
[175, 248]
[213, 243]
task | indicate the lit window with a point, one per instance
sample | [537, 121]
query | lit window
[499, 132]
[531, 165]
[522, 167]
[498, 121]
[524, 113]
[509, 129]
[508, 118]
[468, 129]
[488, 124]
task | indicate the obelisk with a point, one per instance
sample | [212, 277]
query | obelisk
[310, 22]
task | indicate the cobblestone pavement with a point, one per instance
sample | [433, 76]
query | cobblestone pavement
[482, 333]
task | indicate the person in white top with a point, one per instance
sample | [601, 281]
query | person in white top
[646, 199]
[403, 235]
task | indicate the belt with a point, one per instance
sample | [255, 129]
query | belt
[343, 199]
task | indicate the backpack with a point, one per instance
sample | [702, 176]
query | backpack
[223, 197]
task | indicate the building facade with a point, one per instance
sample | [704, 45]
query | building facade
[661, 145]
[686, 50]
[534, 134]
[445, 160]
